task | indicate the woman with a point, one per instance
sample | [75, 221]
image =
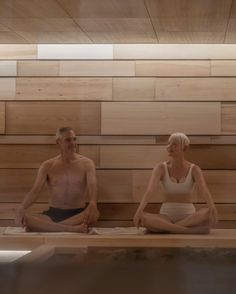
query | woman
[178, 176]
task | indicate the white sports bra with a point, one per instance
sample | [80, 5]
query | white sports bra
[178, 188]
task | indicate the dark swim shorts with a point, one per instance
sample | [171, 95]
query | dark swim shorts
[58, 215]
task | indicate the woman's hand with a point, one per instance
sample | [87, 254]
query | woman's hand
[213, 215]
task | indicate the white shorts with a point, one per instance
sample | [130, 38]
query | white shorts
[177, 211]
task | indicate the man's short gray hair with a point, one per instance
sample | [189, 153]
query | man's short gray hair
[61, 131]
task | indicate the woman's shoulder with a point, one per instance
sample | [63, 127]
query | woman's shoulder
[160, 167]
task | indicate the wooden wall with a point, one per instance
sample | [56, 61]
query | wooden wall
[123, 101]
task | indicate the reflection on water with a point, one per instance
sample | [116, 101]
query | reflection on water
[125, 270]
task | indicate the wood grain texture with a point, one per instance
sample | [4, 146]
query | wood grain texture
[136, 89]
[63, 88]
[7, 88]
[203, 89]
[2, 117]
[172, 68]
[18, 51]
[138, 157]
[25, 156]
[46, 117]
[97, 68]
[37, 68]
[228, 117]
[7, 68]
[139, 118]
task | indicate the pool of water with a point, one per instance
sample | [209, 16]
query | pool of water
[126, 270]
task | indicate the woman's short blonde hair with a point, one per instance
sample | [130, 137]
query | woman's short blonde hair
[180, 138]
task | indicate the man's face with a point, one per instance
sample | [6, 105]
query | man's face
[67, 142]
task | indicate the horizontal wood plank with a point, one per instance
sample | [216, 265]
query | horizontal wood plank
[140, 118]
[97, 68]
[228, 117]
[59, 88]
[7, 88]
[2, 117]
[7, 68]
[37, 68]
[136, 89]
[46, 117]
[172, 68]
[18, 51]
[201, 89]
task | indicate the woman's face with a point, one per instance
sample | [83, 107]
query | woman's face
[174, 148]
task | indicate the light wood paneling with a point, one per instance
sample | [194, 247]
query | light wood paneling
[92, 152]
[214, 89]
[174, 51]
[223, 67]
[25, 156]
[118, 30]
[46, 117]
[56, 37]
[7, 68]
[15, 183]
[18, 51]
[36, 24]
[200, 16]
[84, 140]
[160, 118]
[97, 68]
[131, 156]
[191, 37]
[63, 88]
[75, 51]
[133, 89]
[104, 8]
[172, 68]
[38, 68]
[136, 157]
[7, 88]
[213, 157]
[115, 186]
[2, 117]
[11, 38]
[228, 117]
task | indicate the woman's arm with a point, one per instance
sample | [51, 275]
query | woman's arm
[203, 190]
[153, 182]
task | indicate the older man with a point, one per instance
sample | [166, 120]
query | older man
[70, 177]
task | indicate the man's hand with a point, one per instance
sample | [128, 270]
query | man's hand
[138, 218]
[91, 214]
[20, 217]
[213, 216]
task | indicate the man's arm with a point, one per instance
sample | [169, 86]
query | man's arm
[91, 214]
[33, 193]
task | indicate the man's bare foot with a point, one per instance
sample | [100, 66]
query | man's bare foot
[83, 228]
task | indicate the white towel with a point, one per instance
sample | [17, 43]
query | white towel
[117, 231]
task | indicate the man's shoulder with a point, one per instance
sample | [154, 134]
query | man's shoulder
[85, 160]
[49, 162]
